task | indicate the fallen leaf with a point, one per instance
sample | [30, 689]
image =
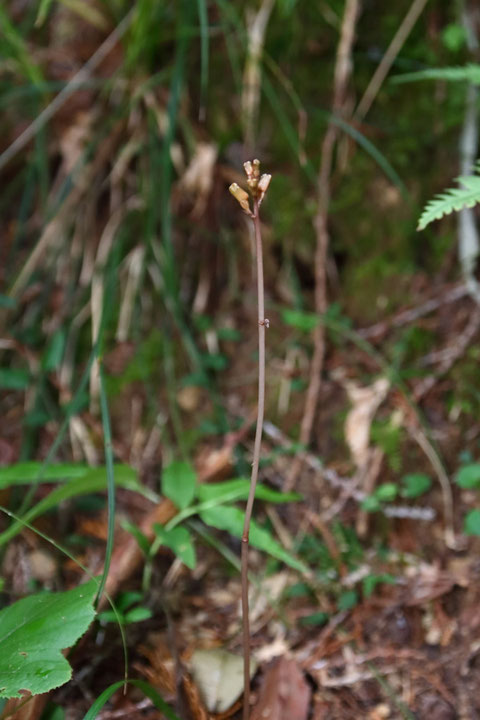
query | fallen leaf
[219, 677]
[365, 403]
[284, 695]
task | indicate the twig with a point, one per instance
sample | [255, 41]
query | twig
[342, 73]
[404, 317]
[387, 61]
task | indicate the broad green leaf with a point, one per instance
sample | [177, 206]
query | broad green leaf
[34, 631]
[415, 484]
[226, 517]
[179, 540]
[178, 483]
[454, 199]
[468, 477]
[471, 524]
[304, 321]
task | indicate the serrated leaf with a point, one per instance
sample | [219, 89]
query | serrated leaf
[468, 477]
[226, 517]
[178, 483]
[454, 199]
[34, 631]
[180, 541]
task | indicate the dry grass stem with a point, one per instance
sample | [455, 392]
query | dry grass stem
[342, 74]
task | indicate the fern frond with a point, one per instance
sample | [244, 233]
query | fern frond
[466, 73]
[452, 200]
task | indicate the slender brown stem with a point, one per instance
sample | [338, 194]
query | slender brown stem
[256, 460]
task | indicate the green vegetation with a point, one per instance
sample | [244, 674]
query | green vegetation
[129, 358]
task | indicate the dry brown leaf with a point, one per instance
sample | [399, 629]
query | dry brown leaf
[284, 695]
[428, 583]
[365, 403]
[198, 178]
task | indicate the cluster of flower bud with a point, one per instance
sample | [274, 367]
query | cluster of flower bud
[257, 184]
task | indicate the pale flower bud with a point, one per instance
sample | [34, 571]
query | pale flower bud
[264, 182]
[248, 168]
[241, 197]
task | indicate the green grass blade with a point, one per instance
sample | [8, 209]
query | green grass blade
[204, 42]
[107, 437]
[95, 481]
[147, 690]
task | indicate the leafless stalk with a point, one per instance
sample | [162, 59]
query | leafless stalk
[258, 186]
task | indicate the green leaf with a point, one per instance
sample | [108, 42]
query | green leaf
[347, 600]
[14, 379]
[468, 477]
[315, 619]
[386, 492]
[137, 614]
[370, 582]
[226, 517]
[7, 302]
[370, 504]
[300, 320]
[454, 199]
[471, 524]
[468, 73]
[34, 631]
[139, 536]
[178, 483]
[179, 540]
[147, 690]
[42, 12]
[92, 481]
[54, 354]
[239, 489]
[415, 484]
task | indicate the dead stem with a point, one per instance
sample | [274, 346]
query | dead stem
[342, 74]
[256, 459]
